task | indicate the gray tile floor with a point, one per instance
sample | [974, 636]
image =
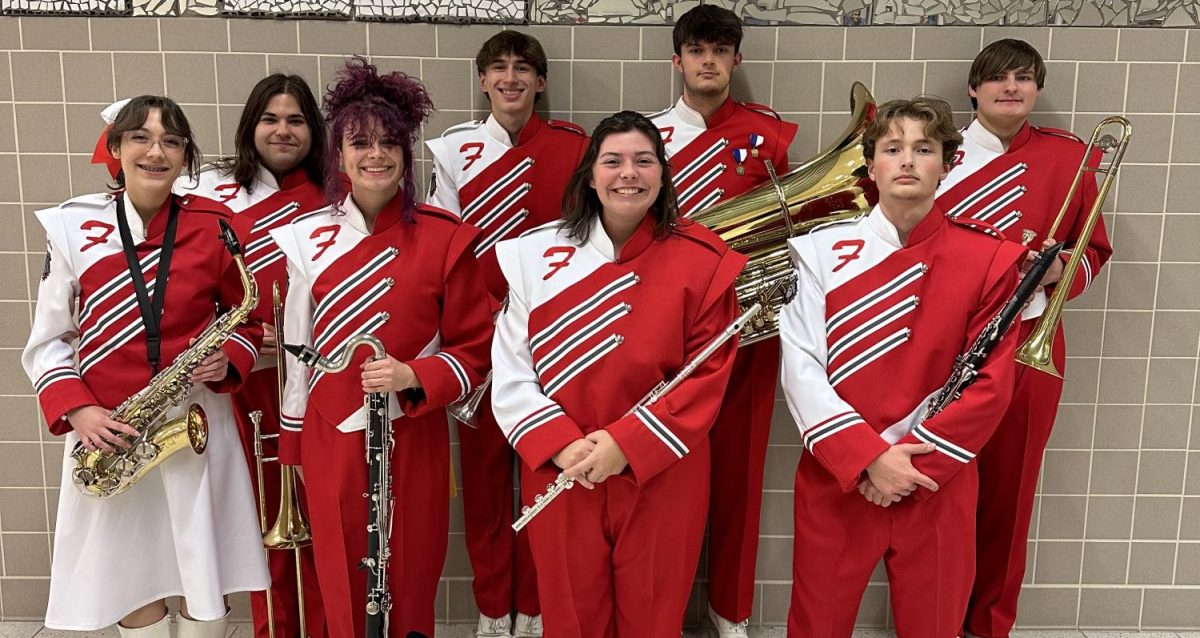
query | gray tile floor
[32, 630]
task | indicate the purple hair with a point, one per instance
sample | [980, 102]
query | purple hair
[397, 102]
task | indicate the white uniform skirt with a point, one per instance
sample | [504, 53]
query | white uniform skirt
[189, 528]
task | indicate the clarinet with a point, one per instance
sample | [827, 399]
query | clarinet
[967, 364]
[563, 482]
[379, 444]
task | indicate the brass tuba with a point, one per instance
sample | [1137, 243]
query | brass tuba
[1038, 350]
[832, 185]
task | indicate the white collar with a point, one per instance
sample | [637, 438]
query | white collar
[883, 227]
[983, 137]
[497, 131]
[689, 115]
[137, 230]
[266, 178]
[600, 240]
[353, 215]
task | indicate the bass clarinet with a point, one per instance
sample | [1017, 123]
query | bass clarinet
[379, 444]
[967, 364]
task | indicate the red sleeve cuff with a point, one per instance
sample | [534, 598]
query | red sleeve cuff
[845, 445]
[443, 379]
[61, 397]
[242, 354]
[647, 443]
[541, 435]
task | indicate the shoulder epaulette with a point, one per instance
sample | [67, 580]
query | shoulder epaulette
[92, 200]
[465, 126]
[1058, 132]
[978, 226]
[701, 235]
[839, 222]
[440, 213]
[762, 108]
[537, 229]
[198, 204]
[564, 125]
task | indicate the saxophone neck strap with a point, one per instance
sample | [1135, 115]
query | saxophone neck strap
[149, 307]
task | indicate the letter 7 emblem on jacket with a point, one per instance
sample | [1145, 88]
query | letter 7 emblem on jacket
[666, 132]
[855, 246]
[228, 191]
[332, 231]
[466, 149]
[100, 237]
[567, 253]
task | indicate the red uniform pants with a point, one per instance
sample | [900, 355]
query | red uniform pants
[928, 548]
[739, 444]
[335, 472]
[504, 578]
[618, 561]
[261, 392]
[1009, 466]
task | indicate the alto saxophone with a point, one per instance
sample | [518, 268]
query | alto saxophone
[105, 474]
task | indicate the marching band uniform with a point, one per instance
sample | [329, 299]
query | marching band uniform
[712, 162]
[269, 205]
[1019, 191]
[416, 287]
[584, 335]
[871, 313]
[503, 190]
[189, 527]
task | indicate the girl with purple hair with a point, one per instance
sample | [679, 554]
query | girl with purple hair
[374, 261]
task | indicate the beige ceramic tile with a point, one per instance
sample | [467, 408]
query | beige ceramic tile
[36, 76]
[1189, 527]
[14, 324]
[898, 80]
[1183, 189]
[1109, 517]
[887, 43]
[1156, 517]
[774, 559]
[1173, 287]
[758, 43]
[1174, 332]
[556, 42]
[23, 509]
[1109, 608]
[10, 34]
[1139, 235]
[608, 43]
[26, 554]
[1058, 562]
[1101, 87]
[1191, 483]
[946, 43]
[194, 34]
[1058, 94]
[450, 82]
[812, 43]
[596, 86]
[774, 601]
[1048, 607]
[1114, 472]
[1073, 427]
[1152, 45]
[1131, 286]
[333, 37]
[1126, 334]
[25, 598]
[1065, 472]
[1166, 427]
[1171, 608]
[42, 178]
[1105, 563]
[645, 86]
[657, 43]
[391, 38]
[1083, 44]
[237, 74]
[1039, 37]
[123, 34]
[1123, 380]
[1161, 472]
[1187, 127]
[838, 78]
[752, 82]
[1151, 88]
[1153, 136]
[948, 80]
[88, 77]
[191, 78]
[797, 86]
[40, 128]
[138, 73]
[264, 36]
[55, 34]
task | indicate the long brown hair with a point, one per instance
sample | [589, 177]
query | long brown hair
[581, 205]
[243, 164]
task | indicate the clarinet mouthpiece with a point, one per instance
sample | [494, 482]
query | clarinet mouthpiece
[305, 354]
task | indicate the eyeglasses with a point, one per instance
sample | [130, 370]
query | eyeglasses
[168, 143]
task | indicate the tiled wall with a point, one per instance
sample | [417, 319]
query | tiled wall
[1116, 538]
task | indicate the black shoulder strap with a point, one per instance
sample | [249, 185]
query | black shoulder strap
[150, 309]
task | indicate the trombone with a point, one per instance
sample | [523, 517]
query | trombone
[291, 529]
[1038, 350]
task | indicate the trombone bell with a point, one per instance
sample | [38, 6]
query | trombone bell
[290, 530]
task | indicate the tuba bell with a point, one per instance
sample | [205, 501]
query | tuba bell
[832, 185]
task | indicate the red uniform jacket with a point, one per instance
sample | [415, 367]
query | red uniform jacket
[268, 205]
[415, 286]
[585, 335]
[87, 293]
[873, 333]
[1023, 189]
[501, 189]
[705, 156]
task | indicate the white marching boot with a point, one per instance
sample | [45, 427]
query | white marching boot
[189, 628]
[160, 629]
[528, 626]
[726, 628]
[491, 627]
